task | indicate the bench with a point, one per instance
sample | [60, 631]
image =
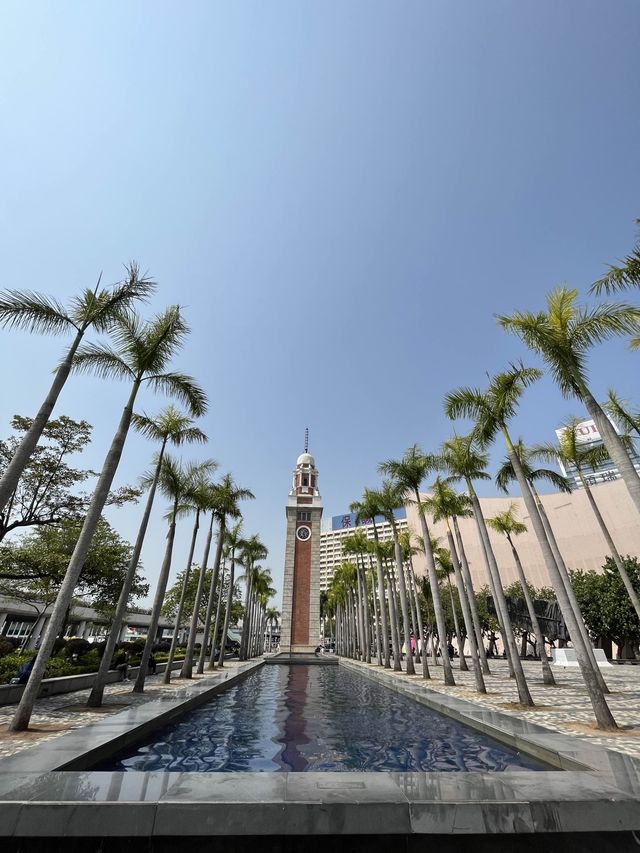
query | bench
[567, 657]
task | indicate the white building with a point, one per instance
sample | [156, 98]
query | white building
[587, 435]
[331, 555]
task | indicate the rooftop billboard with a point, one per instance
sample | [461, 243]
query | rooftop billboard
[348, 520]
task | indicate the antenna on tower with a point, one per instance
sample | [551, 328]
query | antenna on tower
[306, 440]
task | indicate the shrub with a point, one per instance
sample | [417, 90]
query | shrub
[10, 664]
[77, 647]
[7, 646]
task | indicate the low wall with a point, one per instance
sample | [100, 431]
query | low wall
[11, 694]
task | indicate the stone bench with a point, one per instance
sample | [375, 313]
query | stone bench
[567, 657]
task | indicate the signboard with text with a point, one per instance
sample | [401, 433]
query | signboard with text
[348, 520]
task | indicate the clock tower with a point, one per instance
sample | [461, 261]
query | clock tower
[300, 628]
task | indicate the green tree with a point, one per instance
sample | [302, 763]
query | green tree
[508, 525]
[570, 451]
[252, 551]
[563, 337]
[492, 410]
[408, 474]
[170, 426]
[196, 501]
[619, 411]
[607, 611]
[236, 544]
[142, 356]
[35, 312]
[38, 563]
[226, 498]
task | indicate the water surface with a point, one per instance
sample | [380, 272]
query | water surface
[315, 718]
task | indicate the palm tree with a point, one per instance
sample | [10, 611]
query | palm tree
[617, 409]
[408, 550]
[622, 277]
[357, 544]
[252, 551]
[196, 500]
[563, 337]
[385, 551]
[170, 426]
[391, 497]
[175, 483]
[532, 475]
[98, 309]
[367, 509]
[492, 410]
[142, 355]
[570, 451]
[409, 473]
[508, 525]
[465, 462]
[226, 498]
[235, 543]
[272, 614]
[444, 505]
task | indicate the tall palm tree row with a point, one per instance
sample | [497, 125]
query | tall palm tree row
[141, 355]
[96, 309]
[170, 426]
[492, 410]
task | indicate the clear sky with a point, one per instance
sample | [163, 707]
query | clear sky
[340, 194]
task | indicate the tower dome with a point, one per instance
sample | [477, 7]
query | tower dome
[306, 459]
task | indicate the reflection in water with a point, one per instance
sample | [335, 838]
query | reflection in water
[315, 718]
[294, 723]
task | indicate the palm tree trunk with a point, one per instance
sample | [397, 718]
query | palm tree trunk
[435, 593]
[187, 665]
[395, 631]
[365, 612]
[571, 595]
[158, 601]
[376, 617]
[214, 636]
[411, 670]
[212, 589]
[466, 613]
[16, 466]
[383, 608]
[615, 447]
[501, 606]
[626, 580]
[412, 614]
[245, 623]
[20, 721]
[603, 715]
[183, 594]
[227, 613]
[420, 641]
[547, 675]
[471, 597]
[97, 691]
[456, 627]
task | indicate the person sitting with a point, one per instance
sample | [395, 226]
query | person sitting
[122, 665]
[23, 673]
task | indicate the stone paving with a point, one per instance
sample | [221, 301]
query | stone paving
[564, 708]
[55, 715]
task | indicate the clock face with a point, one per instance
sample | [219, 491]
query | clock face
[303, 533]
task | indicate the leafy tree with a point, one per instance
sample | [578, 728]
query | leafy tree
[607, 611]
[37, 564]
[622, 277]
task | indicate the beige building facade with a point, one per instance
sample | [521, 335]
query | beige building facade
[576, 529]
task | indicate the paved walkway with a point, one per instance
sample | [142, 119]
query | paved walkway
[565, 708]
[55, 715]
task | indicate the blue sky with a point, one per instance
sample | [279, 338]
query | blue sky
[340, 194]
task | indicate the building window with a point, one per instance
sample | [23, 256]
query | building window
[304, 515]
[18, 629]
[305, 481]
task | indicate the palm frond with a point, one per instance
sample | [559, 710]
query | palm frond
[101, 360]
[596, 325]
[33, 312]
[620, 277]
[184, 388]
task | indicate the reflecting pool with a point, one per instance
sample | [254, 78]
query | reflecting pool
[315, 718]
